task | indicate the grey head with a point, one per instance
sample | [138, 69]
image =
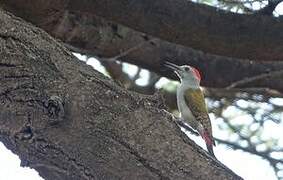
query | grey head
[186, 73]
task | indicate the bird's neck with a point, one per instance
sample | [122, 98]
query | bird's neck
[188, 83]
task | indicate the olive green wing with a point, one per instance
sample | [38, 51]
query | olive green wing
[195, 100]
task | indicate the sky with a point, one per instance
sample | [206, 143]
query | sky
[250, 167]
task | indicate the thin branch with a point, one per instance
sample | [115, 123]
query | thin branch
[126, 52]
[236, 92]
[115, 58]
[137, 75]
[247, 149]
[269, 8]
[254, 78]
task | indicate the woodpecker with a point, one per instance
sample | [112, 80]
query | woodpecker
[191, 103]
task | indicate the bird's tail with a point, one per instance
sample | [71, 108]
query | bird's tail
[209, 141]
[210, 149]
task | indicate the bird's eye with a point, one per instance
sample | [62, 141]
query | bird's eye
[187, 68]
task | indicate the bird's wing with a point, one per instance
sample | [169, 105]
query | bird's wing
[195, 100]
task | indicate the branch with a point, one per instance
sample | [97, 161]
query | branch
[261, 77]
[128, 51]
[241, 93]
[175, 21]
[269, 8]
[178, 21]
[96, 37]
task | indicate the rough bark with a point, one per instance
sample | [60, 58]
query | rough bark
[100, 131]
[183, 22]
[94, 36]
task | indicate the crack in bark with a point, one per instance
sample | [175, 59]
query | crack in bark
[6, 65]
[7, 36]
[17, 77]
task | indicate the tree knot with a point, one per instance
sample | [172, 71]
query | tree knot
[55, 107]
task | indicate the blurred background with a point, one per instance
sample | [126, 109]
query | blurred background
[247, 125]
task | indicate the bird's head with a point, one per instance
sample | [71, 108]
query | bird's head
[185, 72]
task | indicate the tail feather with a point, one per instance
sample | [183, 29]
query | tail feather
[209, 141]
[210, 149]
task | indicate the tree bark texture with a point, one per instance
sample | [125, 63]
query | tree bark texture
[92, 35]
[68, 121]
[183, 22]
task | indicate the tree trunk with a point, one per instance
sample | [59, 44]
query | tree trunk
[68, 121]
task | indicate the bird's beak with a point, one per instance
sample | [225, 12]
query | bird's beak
[172, 66]
[177, 69]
